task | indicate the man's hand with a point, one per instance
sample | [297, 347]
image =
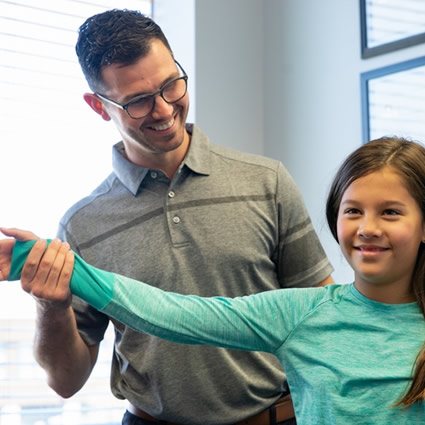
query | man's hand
[6, 248]
[58, 347]
[47, 270]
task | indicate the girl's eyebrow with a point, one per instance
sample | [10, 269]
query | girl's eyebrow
[389, 202]
[348, 201]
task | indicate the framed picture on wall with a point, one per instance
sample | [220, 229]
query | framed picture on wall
[393, 101]
[388, 25]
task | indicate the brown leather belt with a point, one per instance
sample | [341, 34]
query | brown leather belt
[280, 411]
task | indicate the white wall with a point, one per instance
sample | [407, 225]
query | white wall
[229, 72]
[282, 78]
[312, 115]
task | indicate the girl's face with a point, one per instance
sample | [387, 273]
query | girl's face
[380, 227]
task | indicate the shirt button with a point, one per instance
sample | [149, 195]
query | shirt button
[176, 219]
[154, 174]
[171, 194]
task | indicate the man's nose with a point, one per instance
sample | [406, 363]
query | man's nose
[161, 108]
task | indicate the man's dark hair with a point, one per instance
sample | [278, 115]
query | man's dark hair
[114, 37]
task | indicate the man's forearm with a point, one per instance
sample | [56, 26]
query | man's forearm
[61, 352]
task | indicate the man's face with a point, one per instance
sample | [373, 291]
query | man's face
[162, 131]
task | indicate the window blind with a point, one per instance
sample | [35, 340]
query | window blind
[53, 151]
[393, 20]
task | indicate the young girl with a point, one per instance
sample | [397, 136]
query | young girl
[353, 354]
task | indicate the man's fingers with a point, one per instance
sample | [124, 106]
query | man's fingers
[33, 265]
[47, 273]
[66, 273]
[20, 235]
[6, 249]
[57, 282]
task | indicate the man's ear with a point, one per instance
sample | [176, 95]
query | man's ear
[96, 104]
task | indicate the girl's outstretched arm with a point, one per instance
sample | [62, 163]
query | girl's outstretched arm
[248, 323]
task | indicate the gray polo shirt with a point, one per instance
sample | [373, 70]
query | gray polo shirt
[228, 224]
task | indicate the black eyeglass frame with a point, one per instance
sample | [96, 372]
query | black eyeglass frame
[160, 92]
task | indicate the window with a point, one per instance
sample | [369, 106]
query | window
[392, 100]
[53, 151]
[391, 25]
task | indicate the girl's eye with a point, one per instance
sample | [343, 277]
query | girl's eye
[352, 211]
[391, 212]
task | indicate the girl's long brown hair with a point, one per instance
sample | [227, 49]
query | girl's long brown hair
[407, 158]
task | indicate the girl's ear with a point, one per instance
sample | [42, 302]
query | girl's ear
[96, 104]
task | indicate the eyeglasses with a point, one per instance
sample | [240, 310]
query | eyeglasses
[143, 105]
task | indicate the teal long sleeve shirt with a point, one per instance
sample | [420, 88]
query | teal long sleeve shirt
[348, 359]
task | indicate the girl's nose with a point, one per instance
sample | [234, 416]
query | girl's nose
[369, 228]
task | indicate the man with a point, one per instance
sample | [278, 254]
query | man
[180, 213]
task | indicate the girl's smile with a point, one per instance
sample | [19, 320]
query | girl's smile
[370, 251]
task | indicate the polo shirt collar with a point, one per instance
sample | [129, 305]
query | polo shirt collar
[131, 175]
[198, 155]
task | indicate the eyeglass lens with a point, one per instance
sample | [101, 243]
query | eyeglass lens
[171, 92]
